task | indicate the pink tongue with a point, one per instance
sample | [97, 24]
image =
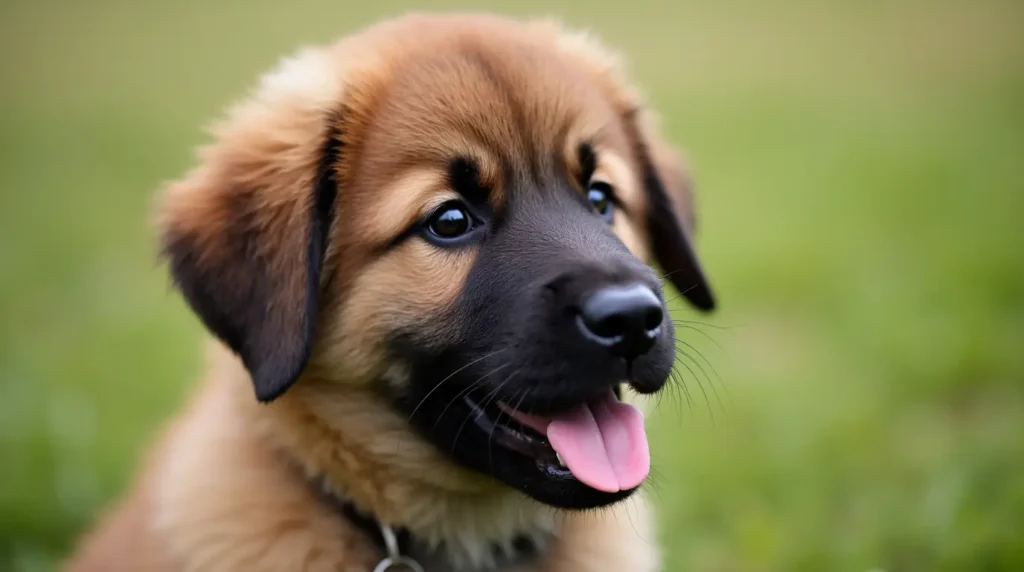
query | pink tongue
[603, 443]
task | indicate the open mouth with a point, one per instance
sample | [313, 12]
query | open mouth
[601, 442]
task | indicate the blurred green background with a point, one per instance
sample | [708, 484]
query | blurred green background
[861, 185]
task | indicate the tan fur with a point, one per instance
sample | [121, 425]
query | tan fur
[227, 488]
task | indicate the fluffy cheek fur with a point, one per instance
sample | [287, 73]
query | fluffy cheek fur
[397, 292]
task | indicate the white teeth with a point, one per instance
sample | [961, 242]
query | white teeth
[561, 463]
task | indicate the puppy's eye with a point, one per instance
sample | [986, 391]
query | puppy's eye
[450, 221]
[602, 199]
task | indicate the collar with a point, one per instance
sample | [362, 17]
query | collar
[401, 550]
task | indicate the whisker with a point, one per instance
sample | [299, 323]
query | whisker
[667, 274]
[483, 403]
[493, 394]
[654, 485]
[660, 396]
[675, 395]
[686, 390]
[697, 363]
[680, 294]
[687, 326]
[519, 404]
[469, 388]
[452, 374]
[699, 384]
[699, 323]
[494, 426]
[711, 366]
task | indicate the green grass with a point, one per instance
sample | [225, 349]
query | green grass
[861, 179]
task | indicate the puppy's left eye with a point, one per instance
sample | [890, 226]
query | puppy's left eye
[449, 222]
[602, 198]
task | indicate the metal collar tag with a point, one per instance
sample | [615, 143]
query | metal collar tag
[394, 561]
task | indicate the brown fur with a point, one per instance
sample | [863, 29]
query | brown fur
[226, 489]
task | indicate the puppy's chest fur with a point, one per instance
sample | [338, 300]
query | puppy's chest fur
[215, 499]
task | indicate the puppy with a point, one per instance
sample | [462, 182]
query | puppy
[423, 253]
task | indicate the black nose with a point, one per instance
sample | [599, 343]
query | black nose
[624, 319]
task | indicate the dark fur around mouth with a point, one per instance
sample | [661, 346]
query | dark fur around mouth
[471, 428]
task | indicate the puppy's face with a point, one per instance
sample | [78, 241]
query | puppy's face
[464, 230]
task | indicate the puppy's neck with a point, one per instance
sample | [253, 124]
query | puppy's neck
[350, 441]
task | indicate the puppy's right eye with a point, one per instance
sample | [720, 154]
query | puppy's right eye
[602, 198]
[449, 222]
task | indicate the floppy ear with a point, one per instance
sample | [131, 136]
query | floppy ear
[245, 233]
[670, 212]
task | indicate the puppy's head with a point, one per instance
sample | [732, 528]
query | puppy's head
[456, 215]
